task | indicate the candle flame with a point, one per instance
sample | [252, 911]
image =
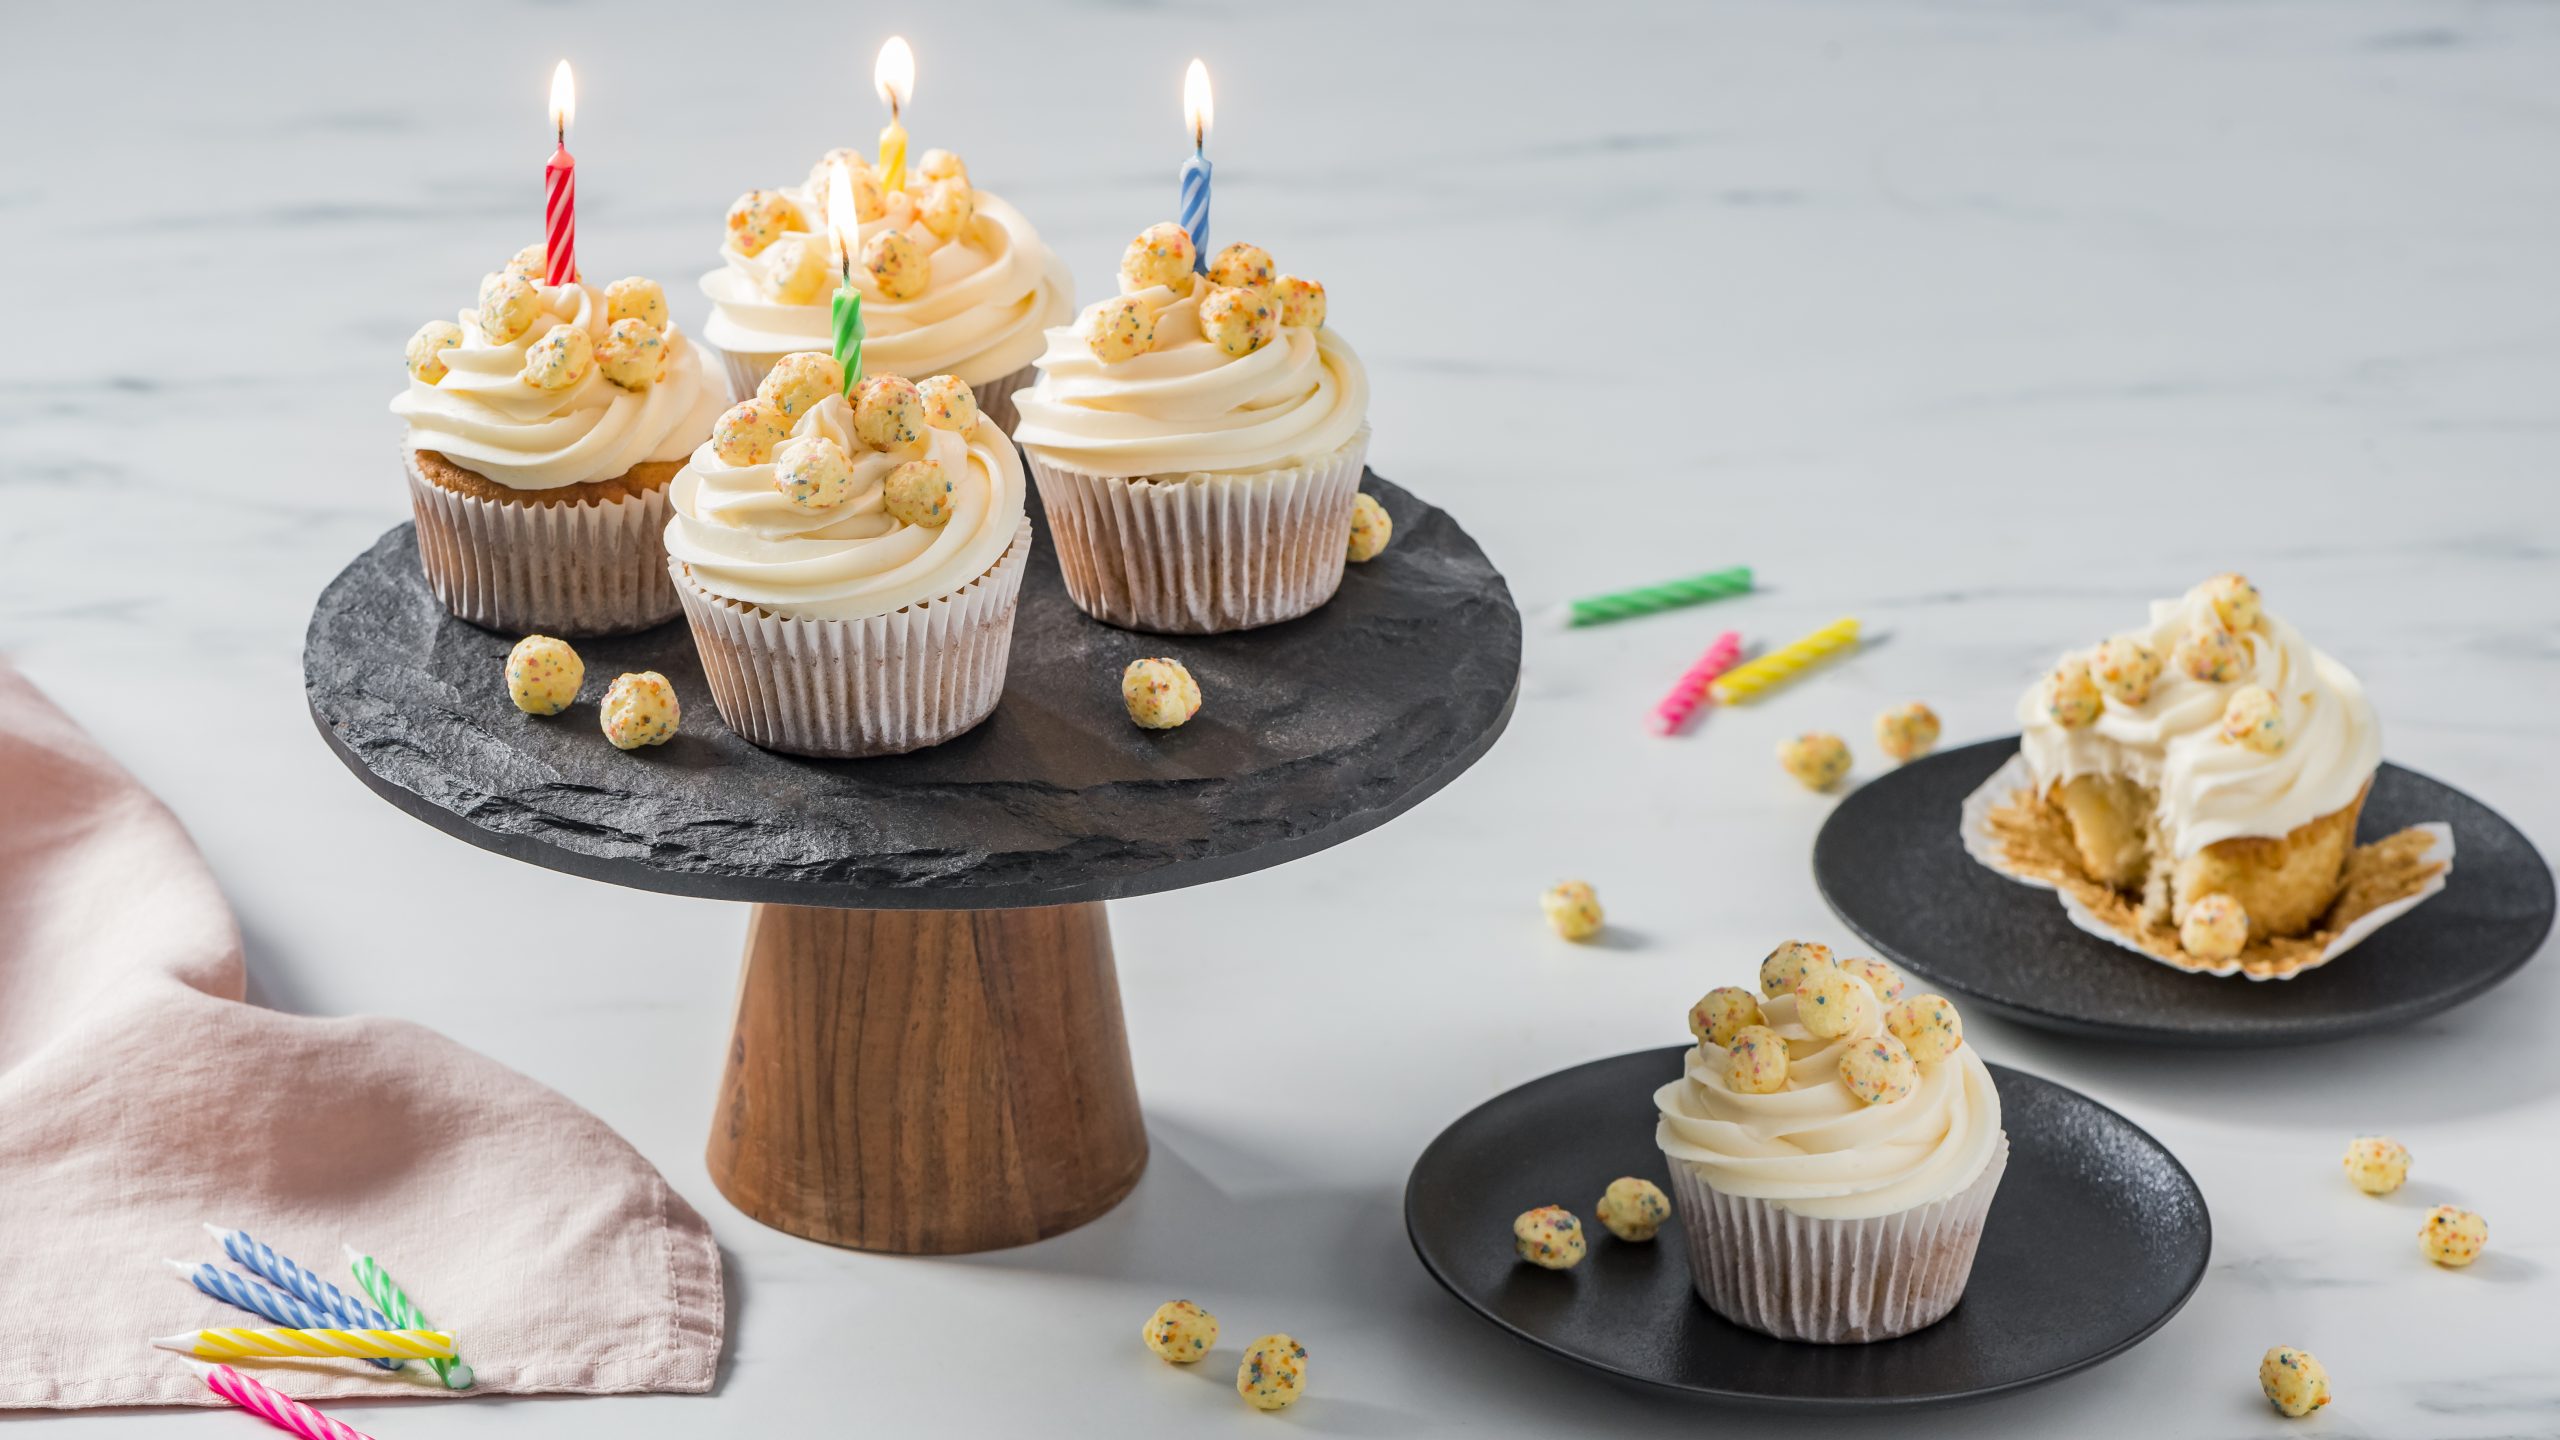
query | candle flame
[1199, 110]
[895, 76]
[844, 224]
[564, 98]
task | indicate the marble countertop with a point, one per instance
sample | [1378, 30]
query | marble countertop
[1984, 322]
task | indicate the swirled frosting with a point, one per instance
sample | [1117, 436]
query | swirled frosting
[2210, 789]
[995, 287]
[744, 541]
[484, 418]
[1186, 406]
[1815, 1148]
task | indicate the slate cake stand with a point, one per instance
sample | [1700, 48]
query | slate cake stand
[928, 1054]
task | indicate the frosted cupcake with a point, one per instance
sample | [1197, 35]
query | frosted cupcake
[953, 280]
[544, 427]
[1834, 1147]
[850, 566]
[1198, 442]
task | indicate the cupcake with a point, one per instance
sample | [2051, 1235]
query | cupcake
[544, 427]
[1833, 1147]
[1198, 441]
[953, 280]
[850, 565]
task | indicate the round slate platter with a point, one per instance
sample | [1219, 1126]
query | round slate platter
[1890, 863]
[1312, 732]
[2096, 1237]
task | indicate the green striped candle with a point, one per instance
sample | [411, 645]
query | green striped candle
[849, 333]
[1654, 599]
[395, 1303]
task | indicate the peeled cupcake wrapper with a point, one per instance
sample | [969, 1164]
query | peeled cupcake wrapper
[1205, 553]
[842, 689]
[995, 397]
[574, 571]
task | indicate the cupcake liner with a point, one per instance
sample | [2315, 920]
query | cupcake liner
[842, 689]
[995, 398]
[1206, 553]
[1832, 1282]
[598, 568]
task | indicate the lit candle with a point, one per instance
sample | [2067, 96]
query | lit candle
[895, 78]
[1197, 112]
[560, 186]
[844, 228]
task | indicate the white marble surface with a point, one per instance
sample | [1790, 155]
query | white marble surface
[1982, 321]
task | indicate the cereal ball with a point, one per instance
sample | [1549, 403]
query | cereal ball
[813, 473]
[2212, 655]
[2234, 600]
[888, 414]
[1907, 732]
[1161, 255]
[2453, 1237]
[631, 354]
[1239, 322]
[1786, 965]
[641, 710]
[760, 217]
[426, 350]
[543, 675]
[2216, 928]
[898, 207]
[946, 207]
[1815, 758]
[1549, 1237]
[2254, 719]
[532, 264]
[897, 264]
[560, 359]
[1180, 1332]
[1274, 1372]
[938, 165]
[1371, 528]
[1721, 1013]
[1242, 267]
[2124, 669]
[867, 195]
[799, 269]
[949, 403]
[1756, 1061]
[1634, 1209]
[1160, 693]
[2376, 1164]
[1120, 328]
[1573, 910]
[1927, 1025]
[746, 433]
[1301, 301]
[508, 306]
[797, 382]
[918, 493]
[1831, 1002]
[2294, 1382]
[636, 297]
[1879, 1070]
[1880, 977]
[2071, 698]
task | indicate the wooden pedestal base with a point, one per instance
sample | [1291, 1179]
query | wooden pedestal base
[928, 1081]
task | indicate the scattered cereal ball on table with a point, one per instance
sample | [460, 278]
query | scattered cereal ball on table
[746, 433]
[938, 164]
[2453, 1236]
[1573, 909]
[560, 359]
[946, 207]
[2376, 1164]
[1880, 977]
[641, 710]
[949, 403]
[897, 264]
[1242, 267]
[1117, 329]
[1371, 528]
[1831, 1002]
[1159, 692]
[508, 307]
[543, 675]
[2216, 928]
[1879, 1070]
[1907, 732]
[918, 493]
[1927, 1025]
[1549, 1237]
[532, 264]
[2124, 669]
[760, 217]
[1756, 1061]
[1239, 322]
[1721, 1013]
[1301, 301]
[1815, 758]
[1786, 965]
[426, 349]
[813, 473]
[2212, 655]
[1161, 255]
[2254, 720]
[636, 297]
[1274, 1372]
[888, 414]
[797, 382]
[796, 266]
[2071, 698]
[1181, 1332]
[631, 354]
[2294, 1382]
[2234, 600]
[1634, 1209]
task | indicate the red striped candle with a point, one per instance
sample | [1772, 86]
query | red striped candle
[560, 186]
[277, 1409]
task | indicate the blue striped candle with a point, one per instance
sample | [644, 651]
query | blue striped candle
[344, 1313]
[242, 1293]
[1197, 111]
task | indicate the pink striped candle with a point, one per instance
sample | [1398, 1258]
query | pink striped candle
[560, 186]
[277, 1409]
[1691, 689]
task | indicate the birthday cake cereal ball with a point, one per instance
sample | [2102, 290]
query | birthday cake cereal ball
[532, 263]
[1371, 528]
[1721, 1014]
[870, 202]
[1831, 1002]
[1881, 978]
[949, 403]
[1120, 328]
[760, 217]
[888, 414]
[1573, 909]
[1756, 1061]
[636, 297]
[2376, 1164]
[1549, 1237]
[2453, 1236]
[796, 268]
[632, 353]
[1907, 732]
[641, 709]
[797, 382]
[2216, 928]
[1180, 1332]
[508, 307]
[1633, 1209]
[813, 473]
[918, 493]
[1927, 1025]
[1879, 1070]
[2071, 697]
[2211, 654]
[1239, 322]
[2293, 1382]
[426, 350]
[1273, 1373]
[2254, 720]
[2234, 600]
[746, 433]
[1301, 301]
[543, 675]
[1159, 692]
[1161, 255]
[1816, 758]
[1242, 267]
[938, 165]
[1786, 965]
[897, 264]
[946, 207]
[560, 359]
[2124, 669]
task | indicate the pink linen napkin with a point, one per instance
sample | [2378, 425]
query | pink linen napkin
[140, 1098]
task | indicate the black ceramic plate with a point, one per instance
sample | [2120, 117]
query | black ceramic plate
[2095, 1239]
[1890, 863]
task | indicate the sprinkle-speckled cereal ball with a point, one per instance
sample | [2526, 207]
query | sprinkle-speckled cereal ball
[746, 433]
[1573, 909]
[1239, 322]
[2293, 1382]
[1756, 1062]
[426, 350]
[2234, 600]
[760, 217]
[1879, 1070]
[1117, 329]
[2376, 1164]
[1907, 732]
[1161, 255]
[641, 709]
[797, 382]
[543, 675]
[1721, 1014]
[949, 403]
[2125, 669]
[532, 263]
[636, 297]
[1830, 1002]
[560, 359]
[867, 196]
[813, 473]
[2211, 654]
[897, 264]
[2216, 928]
[2071, 698]
[1371, 528]
[1880, 977]
[1816, 758]
[631, 354]
[918, 493]
[1159, 692]
[1180, 1332]
[1273, 1374]
[508, 308]
[2254, 719]
[799, 269]
[1242, 267]
[1549, 1237]
[1633, 1208]
[1301, 301]
[888, 414]
[1927, 1025]
[946, 207]
[1786, 966]
[2453, 1236]
[938, 165]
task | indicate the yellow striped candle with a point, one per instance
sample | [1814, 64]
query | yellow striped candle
[317, 1344]
[1752, 679]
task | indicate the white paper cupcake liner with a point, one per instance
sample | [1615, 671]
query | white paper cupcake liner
[569, 570]
[1207, 553]
[995, 397]
[1832, 1282]
[842, 689]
